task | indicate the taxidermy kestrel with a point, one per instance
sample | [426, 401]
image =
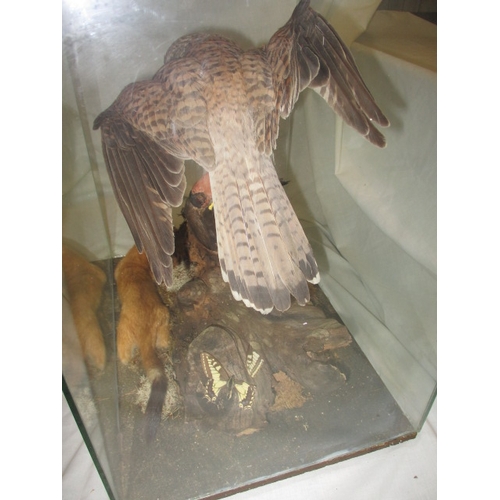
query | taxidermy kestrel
[220, 106]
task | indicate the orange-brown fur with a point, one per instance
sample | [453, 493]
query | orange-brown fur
[143, 327]
[85, 283]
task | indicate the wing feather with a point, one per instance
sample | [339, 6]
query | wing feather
[148, 214]
[307, 52]
[147, 133]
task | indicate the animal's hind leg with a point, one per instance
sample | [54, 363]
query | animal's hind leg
[144, 319]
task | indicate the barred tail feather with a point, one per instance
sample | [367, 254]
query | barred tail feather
[263, 251]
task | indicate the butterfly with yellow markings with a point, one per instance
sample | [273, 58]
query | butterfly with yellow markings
[218, 379]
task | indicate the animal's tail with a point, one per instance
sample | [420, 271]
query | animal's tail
[159, 386]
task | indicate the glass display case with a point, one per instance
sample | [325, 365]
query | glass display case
[349, 373]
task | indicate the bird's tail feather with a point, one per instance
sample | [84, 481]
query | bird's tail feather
[263, 251]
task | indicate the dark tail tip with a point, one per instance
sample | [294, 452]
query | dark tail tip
[155, 406]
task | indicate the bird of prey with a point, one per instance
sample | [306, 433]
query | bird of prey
[221, 106]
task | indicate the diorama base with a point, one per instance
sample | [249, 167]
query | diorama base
[316, 399]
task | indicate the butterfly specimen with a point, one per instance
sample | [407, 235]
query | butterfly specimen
[220, 384]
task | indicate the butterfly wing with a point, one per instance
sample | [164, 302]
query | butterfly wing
[246, 394]
[217, 376]
[253, 362]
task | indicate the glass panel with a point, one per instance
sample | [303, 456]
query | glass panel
[249, 398]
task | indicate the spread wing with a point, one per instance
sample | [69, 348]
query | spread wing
[147, 133]
[217, 376]
[307, 52]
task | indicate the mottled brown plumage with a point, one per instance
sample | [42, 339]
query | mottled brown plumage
[220, 106]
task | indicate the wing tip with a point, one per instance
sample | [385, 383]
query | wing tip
[301, 7]
[98, 121]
